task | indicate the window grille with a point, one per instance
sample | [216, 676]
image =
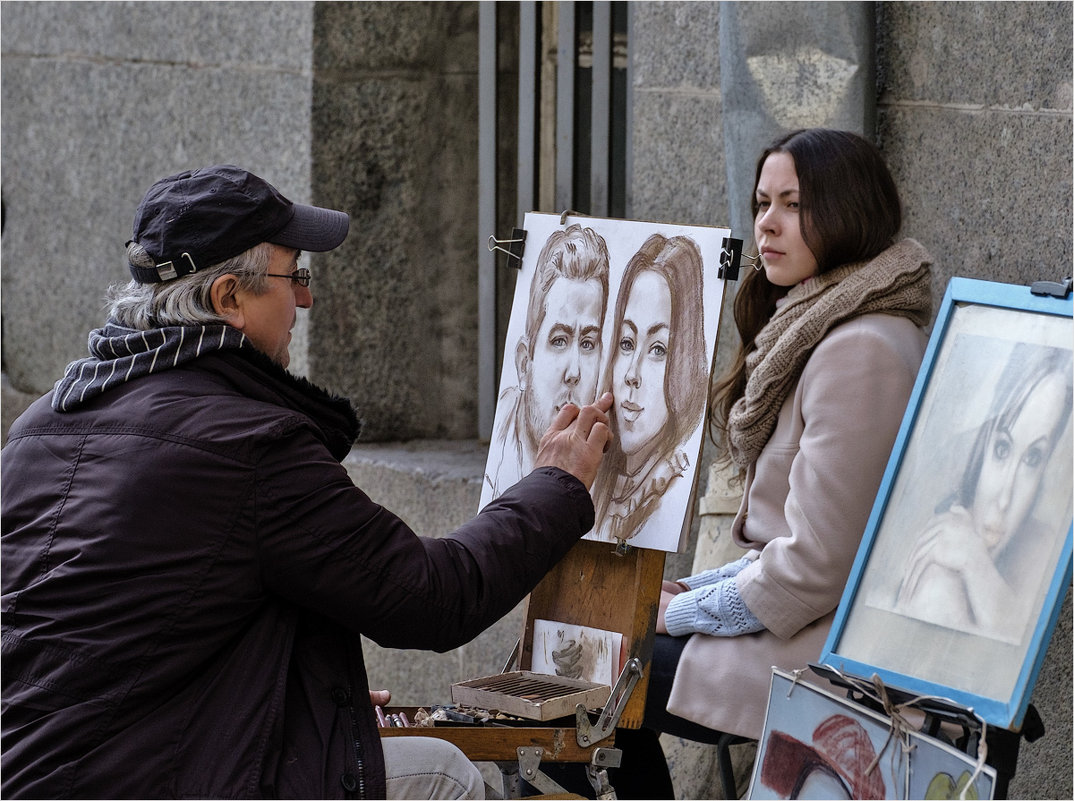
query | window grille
[554, 82]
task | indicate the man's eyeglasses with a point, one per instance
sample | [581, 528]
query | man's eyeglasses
[301, 276]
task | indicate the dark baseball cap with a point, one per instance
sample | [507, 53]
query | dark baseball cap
[195, 219]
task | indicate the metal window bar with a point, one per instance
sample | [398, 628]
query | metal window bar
[600, 123]
[529, 69]
[486, 219]
[566, 58]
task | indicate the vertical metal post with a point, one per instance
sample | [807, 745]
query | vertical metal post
[600, 126]
[528, 71]
[566, 53]
[628, 155]
[486, 220]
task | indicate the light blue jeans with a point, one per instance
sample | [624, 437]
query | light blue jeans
[427, 767]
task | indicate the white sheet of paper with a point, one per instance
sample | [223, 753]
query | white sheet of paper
[577, 652]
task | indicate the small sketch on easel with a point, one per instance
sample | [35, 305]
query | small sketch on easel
[576, 652]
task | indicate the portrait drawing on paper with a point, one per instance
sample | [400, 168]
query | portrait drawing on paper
[557, 356]
[974, 563]
[621, 306]
[978, 510]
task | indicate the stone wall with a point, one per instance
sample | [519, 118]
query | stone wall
[974, 116]
[100, 99]
[975, 119]
[394, 137]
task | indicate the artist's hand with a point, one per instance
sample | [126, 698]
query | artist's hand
[380, 697]
[577, 439]
[668, 590]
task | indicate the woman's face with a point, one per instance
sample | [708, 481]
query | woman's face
[777, 226]
[640, 365]
[1014, 462]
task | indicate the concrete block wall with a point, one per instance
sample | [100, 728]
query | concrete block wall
[100, 99]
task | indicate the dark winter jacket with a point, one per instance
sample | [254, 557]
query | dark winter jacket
[186, 571]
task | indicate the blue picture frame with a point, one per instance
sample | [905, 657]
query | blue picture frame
[909, 614]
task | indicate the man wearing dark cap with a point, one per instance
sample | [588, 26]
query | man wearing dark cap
[186, 565]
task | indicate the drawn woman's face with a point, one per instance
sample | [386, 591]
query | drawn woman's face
[1014, 462]
[639, 367]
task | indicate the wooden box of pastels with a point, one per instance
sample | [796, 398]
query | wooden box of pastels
[534, 696]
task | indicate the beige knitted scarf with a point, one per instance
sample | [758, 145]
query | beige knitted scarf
[895, 282]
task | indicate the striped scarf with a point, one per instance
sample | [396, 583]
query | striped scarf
[119, 354]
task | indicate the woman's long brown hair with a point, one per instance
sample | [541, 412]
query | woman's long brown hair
[850, 211]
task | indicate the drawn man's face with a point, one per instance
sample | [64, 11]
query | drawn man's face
[640, 365]
[1014, 463]
[565, 362]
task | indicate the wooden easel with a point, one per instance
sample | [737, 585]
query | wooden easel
[594, 586]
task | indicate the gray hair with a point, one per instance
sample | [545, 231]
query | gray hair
[187, 300]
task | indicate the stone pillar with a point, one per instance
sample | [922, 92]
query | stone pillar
[101, 99]
[394, 142]
[785, 66]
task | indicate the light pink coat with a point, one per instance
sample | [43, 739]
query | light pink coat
[805, 505]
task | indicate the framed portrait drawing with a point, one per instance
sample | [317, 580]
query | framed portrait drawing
[966, 556]
[623, 306]
[817, 745]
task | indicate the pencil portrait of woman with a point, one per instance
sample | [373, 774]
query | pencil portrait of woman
[657, 372]
[974, 565]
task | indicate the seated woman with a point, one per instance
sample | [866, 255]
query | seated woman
[831, 324]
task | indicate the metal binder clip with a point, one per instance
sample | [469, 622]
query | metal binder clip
[1055, 289]
[516, 245]
[730, 256]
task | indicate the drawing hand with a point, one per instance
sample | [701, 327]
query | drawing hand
[380, 697]
[950, 541]
[567, 660]
[577, 439]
